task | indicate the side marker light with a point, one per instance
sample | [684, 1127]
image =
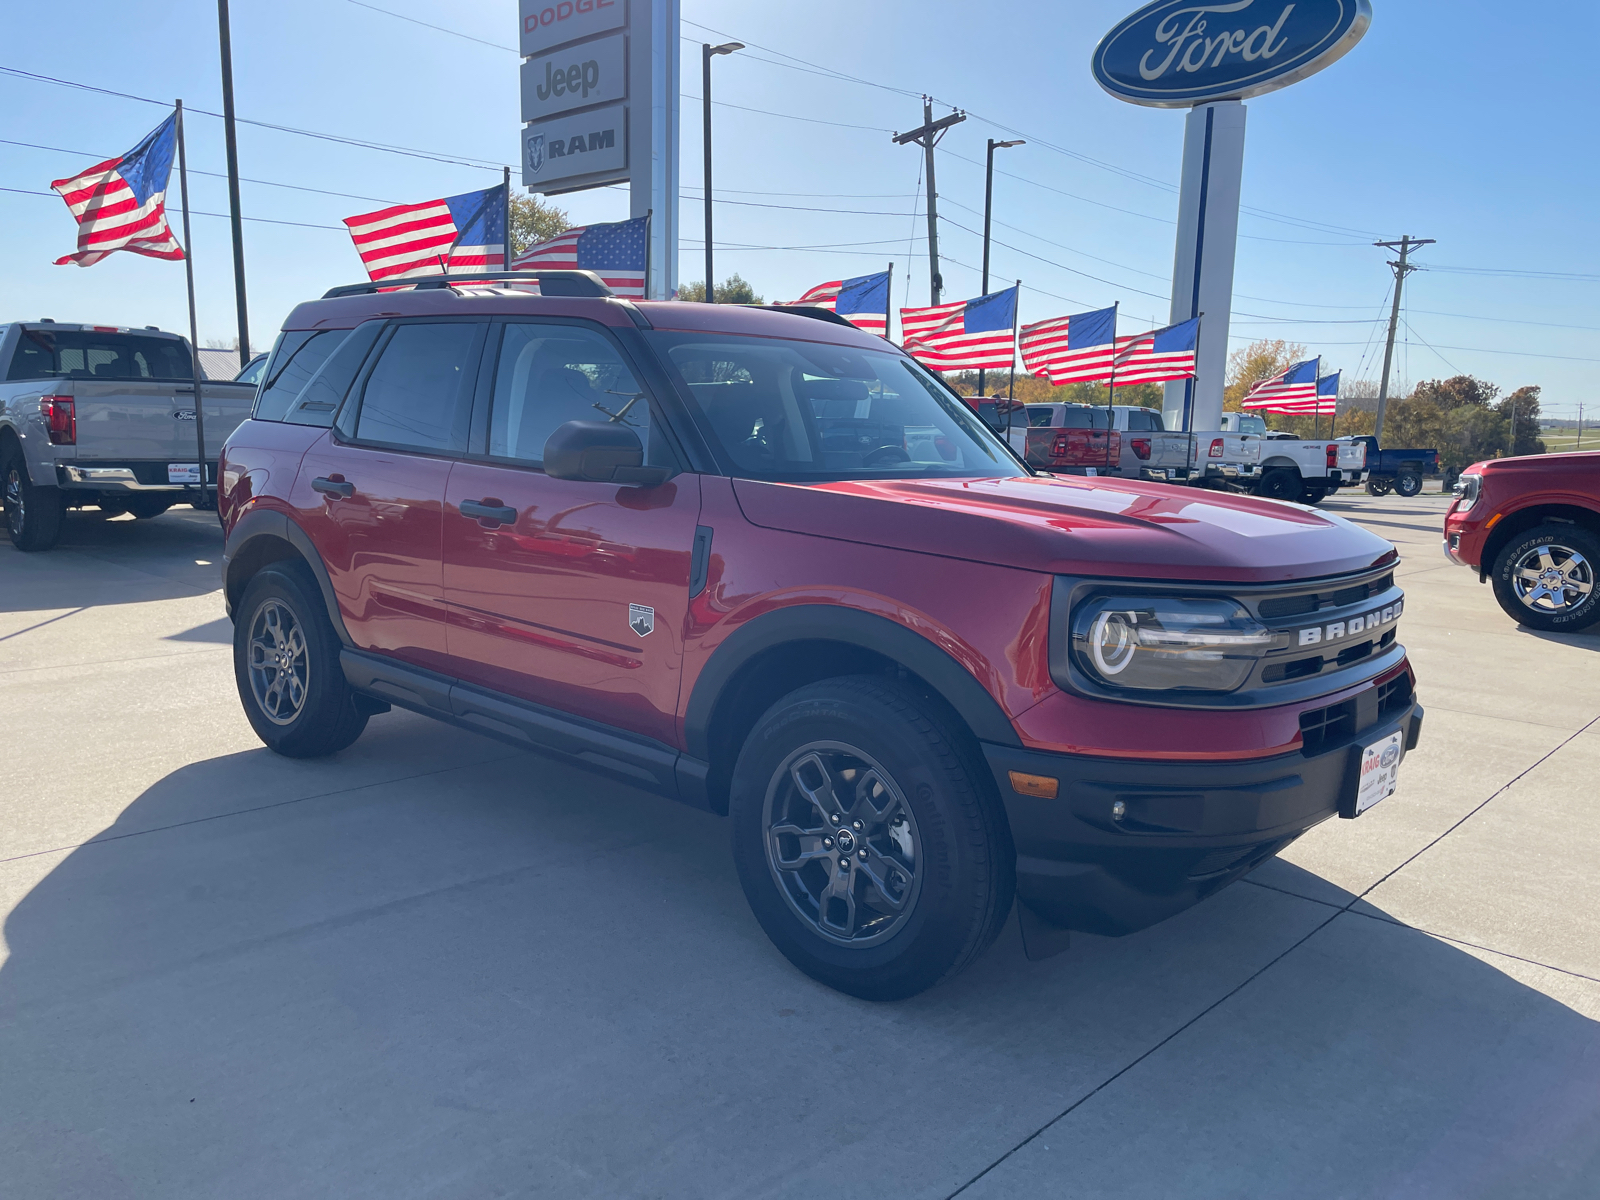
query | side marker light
[1044, 787]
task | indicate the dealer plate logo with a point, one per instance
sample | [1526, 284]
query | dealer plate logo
[641, 619]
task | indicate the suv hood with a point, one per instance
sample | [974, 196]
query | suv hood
[1074, 526]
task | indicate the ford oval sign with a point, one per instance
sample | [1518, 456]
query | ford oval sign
[1176, 53]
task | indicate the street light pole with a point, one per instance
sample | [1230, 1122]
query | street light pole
[988, 206]
[707, 53]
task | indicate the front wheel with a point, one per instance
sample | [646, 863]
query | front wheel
[1545, 579]
[1409, 484]
[33, 514]
[286, 666]
[867, 838]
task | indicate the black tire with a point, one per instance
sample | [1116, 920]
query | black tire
[33, 514]
[1280, 483]
[111, 508]
[939, 839]
[1408, 483]
[1573, 554]
[306, 708]
[1313, 495]
[147, 507]
[1378, 487]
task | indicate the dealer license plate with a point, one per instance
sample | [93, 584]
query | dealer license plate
[1380, 770]
[183, 472]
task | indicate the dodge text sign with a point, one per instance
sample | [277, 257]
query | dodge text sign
[575, 77]
[579, 144]
[546, 23]
[1178, 53]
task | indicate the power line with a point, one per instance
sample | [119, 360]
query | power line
[438, 28]
[786, 116]
[197, 213]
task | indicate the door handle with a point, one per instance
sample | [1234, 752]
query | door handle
[334, 487]
[499, 513]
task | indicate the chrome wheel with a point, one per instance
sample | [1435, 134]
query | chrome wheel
[14, 502]
[1551, 578]
[842, 844]
[279, 663]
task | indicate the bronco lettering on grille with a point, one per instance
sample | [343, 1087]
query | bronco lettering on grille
[1335, 631]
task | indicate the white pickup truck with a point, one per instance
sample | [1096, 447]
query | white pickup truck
[102, 415]
[1290, 468]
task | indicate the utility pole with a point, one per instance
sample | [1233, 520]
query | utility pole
[1402, 268]
[707, 53]
[1580, 426]
[225, 41]
[988, 205]
[927, 137]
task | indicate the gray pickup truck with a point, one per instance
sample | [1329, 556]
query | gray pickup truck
[97, 415]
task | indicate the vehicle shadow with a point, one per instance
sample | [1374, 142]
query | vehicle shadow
[515, 977]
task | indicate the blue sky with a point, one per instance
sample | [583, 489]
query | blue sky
[1462, 122]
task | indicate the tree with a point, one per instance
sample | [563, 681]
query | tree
[732, 290]
[1030, 389]
[1521, 409]
[1458, 391]
[533, 221]
[1257, 361]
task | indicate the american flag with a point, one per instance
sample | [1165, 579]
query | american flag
[1296, 384]
[616, 252]
[120, 203]
[459, 233]
[1157, 356]
[963, 336]
[863, 301]
[1075, 349]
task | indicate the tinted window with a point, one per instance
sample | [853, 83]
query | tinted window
[295, 359]
[1039, 416]
[792, 410]
[414, 395]
[319, 400]
[1085, 418]
[74, 354]
[548, 375]
[252, 373]
[1140, 420]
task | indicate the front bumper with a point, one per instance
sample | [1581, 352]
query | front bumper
[1126, 844]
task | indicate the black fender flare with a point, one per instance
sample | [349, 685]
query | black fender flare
[270, 523]
[851, 626]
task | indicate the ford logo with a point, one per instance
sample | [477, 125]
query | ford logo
[1177, 53]
[1390, 756]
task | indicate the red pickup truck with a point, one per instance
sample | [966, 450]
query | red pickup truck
[1532, 525]
[760, 562]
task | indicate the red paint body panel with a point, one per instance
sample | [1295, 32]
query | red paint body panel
[539, 608]
[259, 464]
[1512, 485]
[381, 545]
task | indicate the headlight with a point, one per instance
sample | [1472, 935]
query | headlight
[1161, 643]
[1466, 491]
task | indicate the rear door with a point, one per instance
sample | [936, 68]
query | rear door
[568, 593]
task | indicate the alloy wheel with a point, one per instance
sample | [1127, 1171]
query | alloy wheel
[1551, 578]
[280, 663]
[842, 844]
[15, 513]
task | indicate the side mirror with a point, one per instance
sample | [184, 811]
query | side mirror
[599, 452]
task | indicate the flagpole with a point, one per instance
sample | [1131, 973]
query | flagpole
[505, 264]
[1011, 385]
[888, 305]
[194, 324]
[1111, 384]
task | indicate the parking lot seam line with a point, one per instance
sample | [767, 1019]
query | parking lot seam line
[1287, 892]
[1435, 706]
[48, 621]
[241, 812]
[111, 662]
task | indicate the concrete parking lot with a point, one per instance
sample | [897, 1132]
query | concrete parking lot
[434, 966]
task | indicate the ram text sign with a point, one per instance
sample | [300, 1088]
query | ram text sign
[575, 77]
[546, 23]
[580, 144]
[1178, 53]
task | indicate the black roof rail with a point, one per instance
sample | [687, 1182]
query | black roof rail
[551, 283]
[808, 310]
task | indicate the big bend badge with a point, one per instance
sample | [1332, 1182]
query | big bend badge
[641, 619]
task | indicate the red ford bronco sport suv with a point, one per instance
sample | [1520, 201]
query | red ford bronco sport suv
[1532, 524]
[763, 563]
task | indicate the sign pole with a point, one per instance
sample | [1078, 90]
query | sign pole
[194, 325]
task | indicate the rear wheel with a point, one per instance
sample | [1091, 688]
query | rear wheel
[867, 838]
[1545, 579]
[1378, 487]
[147, 506]
[1280, 483]
[33, 514]
[1408, 483]
[1313, 494]
[286, 666]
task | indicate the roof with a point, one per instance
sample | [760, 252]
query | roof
[219, 364]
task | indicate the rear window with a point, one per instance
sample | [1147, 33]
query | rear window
[76, 354]
[1039, 416]
[1085, 418]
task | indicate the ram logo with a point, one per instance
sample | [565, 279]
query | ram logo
[536, 153]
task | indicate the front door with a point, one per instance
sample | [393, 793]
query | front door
[568, 593]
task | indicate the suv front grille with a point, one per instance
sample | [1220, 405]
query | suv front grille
[1323, 727]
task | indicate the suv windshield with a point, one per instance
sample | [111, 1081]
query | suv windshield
[792, 411]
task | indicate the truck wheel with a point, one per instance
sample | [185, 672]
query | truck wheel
[1545, 579]
[867, 838]
[1280, 483]
[111, 508]
[33, 514]
[286, 666]
[147, 507]
[1313, 495]
[1378, 487]
[1408, 483]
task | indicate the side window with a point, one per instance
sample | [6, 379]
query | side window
[295, 359]
[548, 375]
[319, 400]
[415, 395]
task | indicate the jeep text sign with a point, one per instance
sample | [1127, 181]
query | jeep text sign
[546, 23]
[579, 144]
[575, 77]
[1178, 53]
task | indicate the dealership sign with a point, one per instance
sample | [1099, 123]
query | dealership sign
[579, 76]
[1176, 53]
